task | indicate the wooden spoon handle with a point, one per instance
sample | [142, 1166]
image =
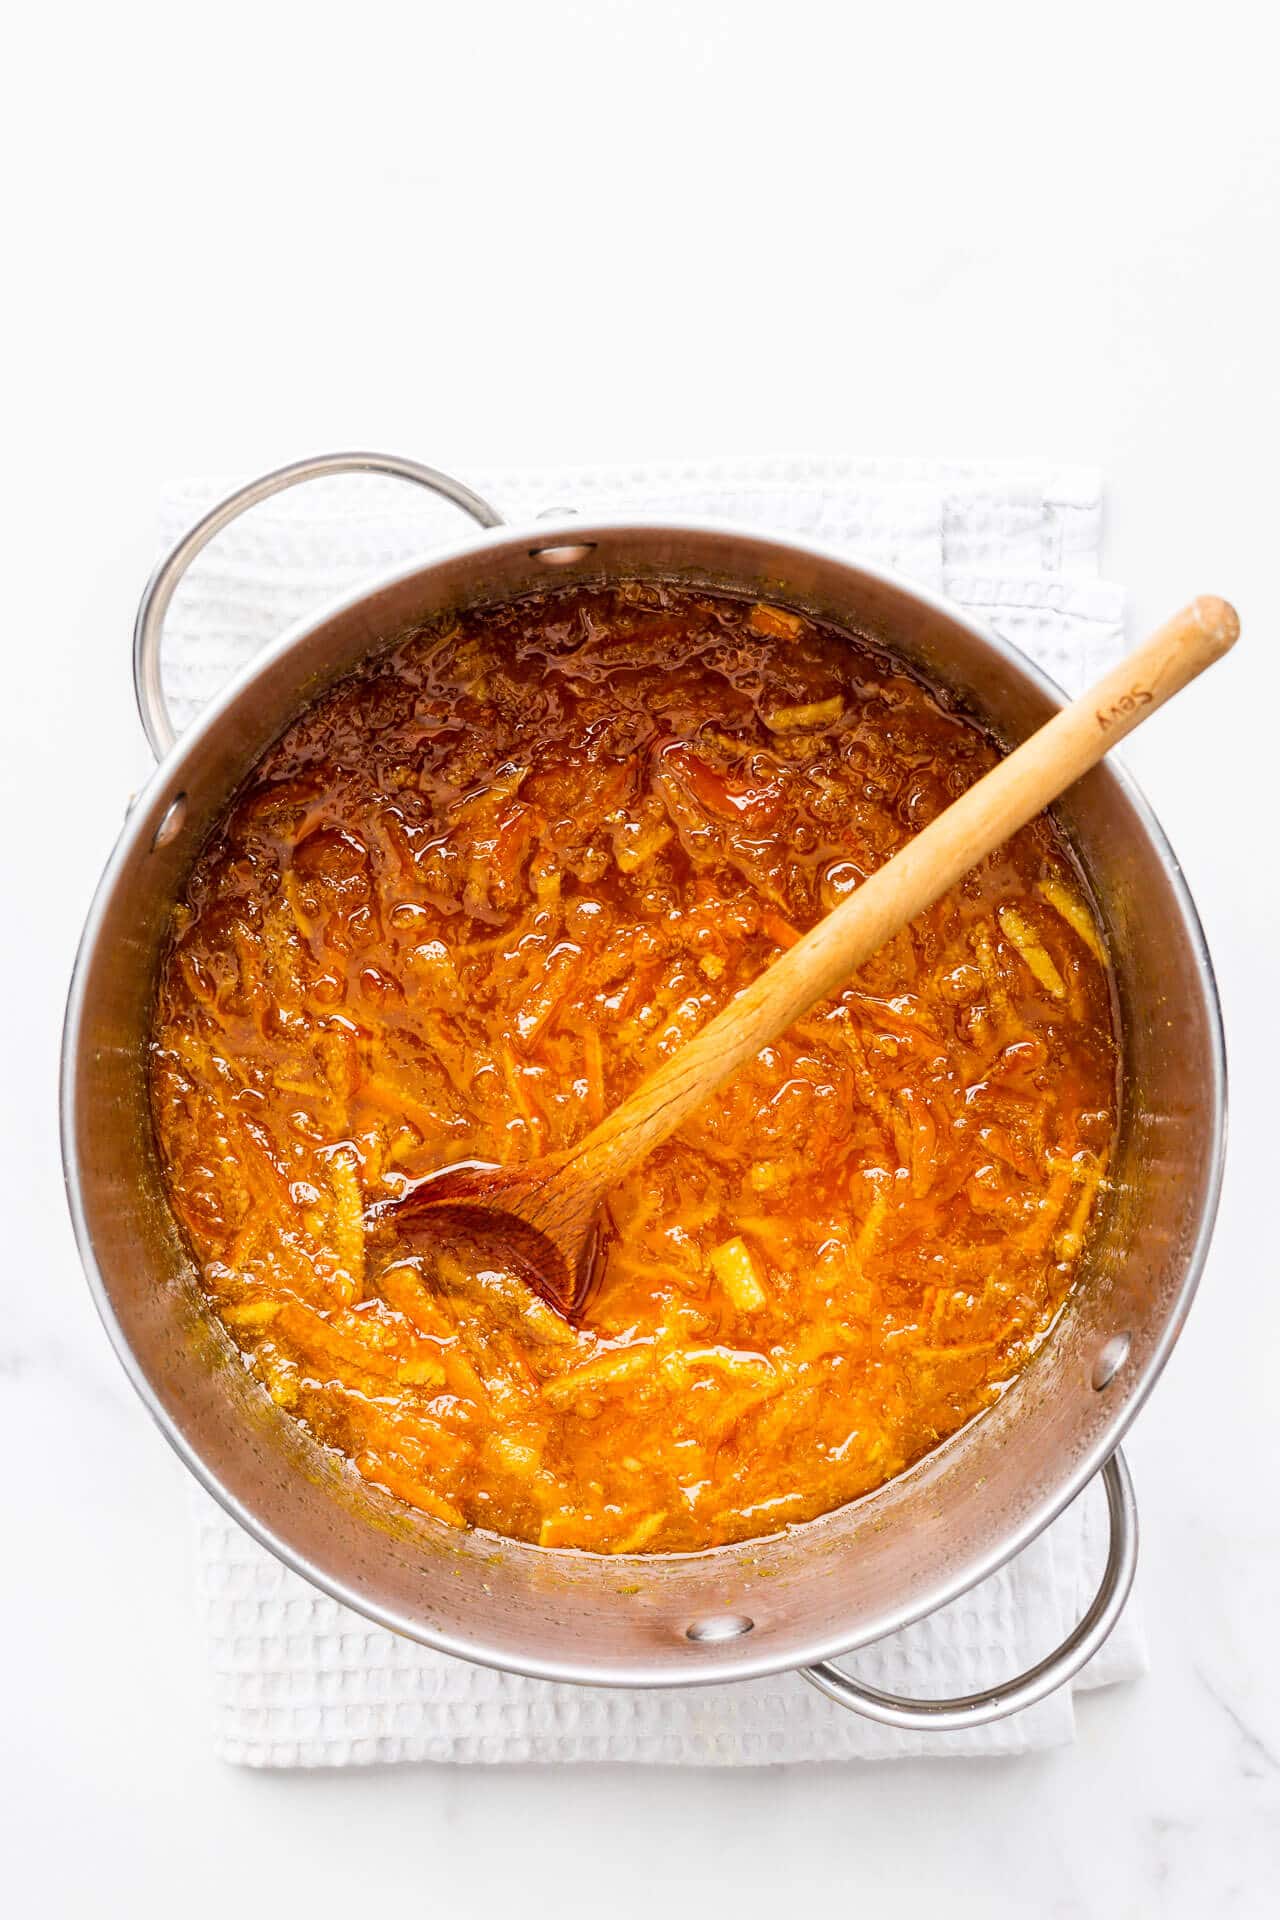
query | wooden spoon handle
[1014, 791]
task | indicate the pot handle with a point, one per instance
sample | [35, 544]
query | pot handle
[977, 1709]
[148, 686]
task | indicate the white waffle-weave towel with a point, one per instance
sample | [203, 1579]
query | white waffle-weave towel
[298, 1679]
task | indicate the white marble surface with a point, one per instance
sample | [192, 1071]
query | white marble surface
[249, 234]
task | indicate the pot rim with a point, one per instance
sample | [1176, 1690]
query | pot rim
[574, 530]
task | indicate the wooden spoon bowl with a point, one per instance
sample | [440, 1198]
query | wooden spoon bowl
[514, 1216]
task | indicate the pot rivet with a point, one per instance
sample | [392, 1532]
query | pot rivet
[171, 822]
[562, 556]
[719, 1626]
[1111, 1357]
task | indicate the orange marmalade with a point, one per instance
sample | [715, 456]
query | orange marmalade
[463, 905]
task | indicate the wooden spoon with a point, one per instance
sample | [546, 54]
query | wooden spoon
[543, 1218]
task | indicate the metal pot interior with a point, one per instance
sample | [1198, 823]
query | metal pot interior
[837, 1582]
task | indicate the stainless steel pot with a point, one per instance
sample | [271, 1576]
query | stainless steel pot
[826, 1588]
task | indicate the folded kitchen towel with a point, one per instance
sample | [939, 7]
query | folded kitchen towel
[300, 1680]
